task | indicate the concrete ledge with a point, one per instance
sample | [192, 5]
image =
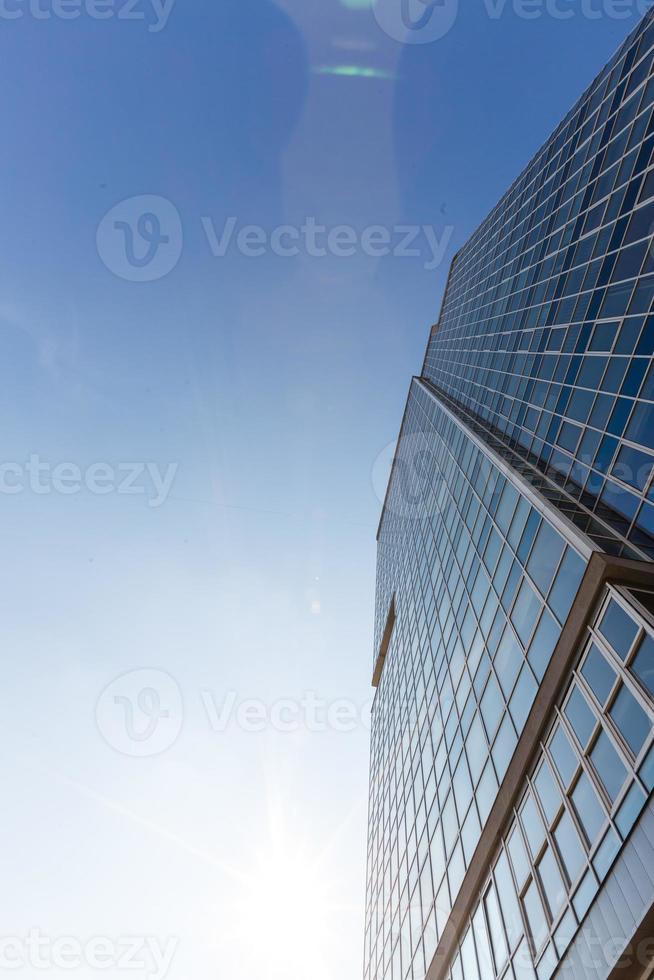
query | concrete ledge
[384, 645]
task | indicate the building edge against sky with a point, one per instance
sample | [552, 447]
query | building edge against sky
[511, 825]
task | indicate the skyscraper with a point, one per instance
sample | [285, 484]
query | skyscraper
[511, 827]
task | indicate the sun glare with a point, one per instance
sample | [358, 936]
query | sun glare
[283, 916]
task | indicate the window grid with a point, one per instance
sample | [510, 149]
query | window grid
[455, 564]
[515, 340]
[618, 815]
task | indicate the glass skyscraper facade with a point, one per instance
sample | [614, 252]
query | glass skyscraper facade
[511, 826]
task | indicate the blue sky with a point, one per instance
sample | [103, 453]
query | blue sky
[270, 387]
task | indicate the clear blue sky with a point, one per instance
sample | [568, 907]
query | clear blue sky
[273, 385]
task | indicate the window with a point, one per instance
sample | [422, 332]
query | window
[600, 676]
[548, 792]
[552, 882]
[504, 747]
[498, 942]
[566, 585]
[580, 716]
[569, 847]
[492, 706]
[564, 757]
[532, 825]
[643, 665]
[525, 612]
[632, 722]
[508, 660]
[545, 557]
[508, 901]
[535, 916]
[609, 766]
[588, 808]
[543, 644]
[519, 858]
[618, 629]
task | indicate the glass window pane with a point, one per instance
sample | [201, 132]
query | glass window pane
[476, 748]
[508, 661]
[606, 853]
[630, 809]
[525, 612]
[550, 876]
[519, 858]
[588, 808]
[523, 698]
[618, 629]
[462, 787]
[504, 747]
[566, 585]
[486, 792]
[469, 957]
[609, 766]
[486, 968]
[496, 928]
[647, 770]
[585, 894]
[507, 507]
[545, 557]
[508, 900]
[599, 674]
[492, 707]
[580, 716]
[565, 759]
[535, 916]
[643, 665]
[522, 963]
[565, 932]
[632, 722]
[570, 847]
[533, 825]
[450, 824]
[548, 792]
[542, 645]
